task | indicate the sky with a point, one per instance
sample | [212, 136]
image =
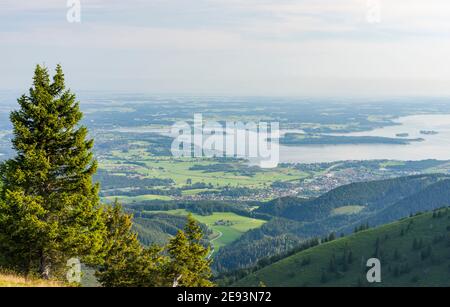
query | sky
[233, 47]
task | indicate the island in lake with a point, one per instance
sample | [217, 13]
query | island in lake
[402, 135]
[291, 139]
[428, 132]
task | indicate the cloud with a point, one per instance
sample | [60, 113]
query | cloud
[122, 37]
[258, 18]
[235, 46]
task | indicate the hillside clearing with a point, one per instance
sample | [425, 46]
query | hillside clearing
[230, 224]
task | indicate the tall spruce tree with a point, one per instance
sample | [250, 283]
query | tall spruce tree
[189, 266]
[50, 210]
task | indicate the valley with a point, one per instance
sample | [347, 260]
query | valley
[185, 146]
[250, 214]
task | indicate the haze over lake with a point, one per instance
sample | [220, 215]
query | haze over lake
[433, 147]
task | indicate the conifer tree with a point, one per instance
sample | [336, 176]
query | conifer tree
[127, 263]
[323, 278]
[331, 237]
[189, 266]
[332, 267]
[350, 257]
[377, 252]
[50, 210]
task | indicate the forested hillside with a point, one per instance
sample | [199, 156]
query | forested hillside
[341, 210]
[413, 252]
[159, 228]
[373, 195]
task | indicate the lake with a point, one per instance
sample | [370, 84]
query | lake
[433, 147]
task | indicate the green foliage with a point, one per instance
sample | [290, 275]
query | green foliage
[183, 262]
[111, 181]
[158, 228]
[199, 207]
[127, 263]
[50, 210]
[189, 266]
[275, 237]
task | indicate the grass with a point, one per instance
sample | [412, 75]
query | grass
[132, 199]
[391, 163]
[13, 280]
[401, 264]
[347, 210]
[239, 225]
[178, 169]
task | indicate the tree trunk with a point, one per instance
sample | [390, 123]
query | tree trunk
[44, 266]
[176, 280]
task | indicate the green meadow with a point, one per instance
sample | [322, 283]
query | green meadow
[179, 170]
[222, 234]
[134, 199]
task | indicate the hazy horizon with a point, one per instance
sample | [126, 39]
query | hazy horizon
[284, 48]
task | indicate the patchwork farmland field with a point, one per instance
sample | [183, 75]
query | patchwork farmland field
[226, 226]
